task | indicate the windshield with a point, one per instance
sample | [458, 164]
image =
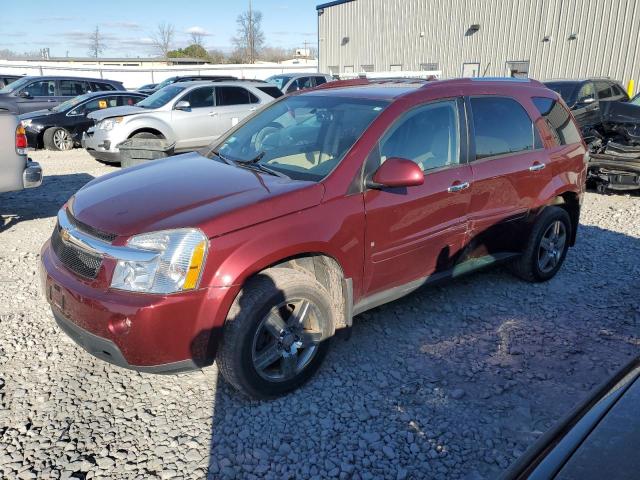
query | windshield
[166, 82]
[636, 100]
[305, 137]
[566, 90]
[161, 97]
[72, 102]
[13, 86]
[279, 80]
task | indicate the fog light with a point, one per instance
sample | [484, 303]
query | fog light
[120, 326]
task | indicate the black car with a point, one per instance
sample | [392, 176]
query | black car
[6, 79]
[600, 439]
[36, 93]
[61, 127]
[186, 78]
[585, 98]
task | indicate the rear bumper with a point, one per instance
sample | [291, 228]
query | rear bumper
[148, 333]
[32, 175]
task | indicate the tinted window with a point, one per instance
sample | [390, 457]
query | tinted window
[320, 80]
[300, 84]
[231, 96]
[71, 88]
[567, 90]
[501, 126]
[604, 90]
[586, 92]
[618, 91]
[128, 100]
[427, 135]
[102, 87]
[275, 92]
[95, 104]
[558, 119]
[43, 88]
[200, 97]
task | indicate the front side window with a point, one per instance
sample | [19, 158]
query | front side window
[200, 97]
[43, 88]
[128, 100]
[558, 119]
[304, 137]
[72, 88]
[586, 93]
[226, 96]
[161, 97]
[428, 136]
[502, 126]
[72, 102]
[320, 80]
[300, 84]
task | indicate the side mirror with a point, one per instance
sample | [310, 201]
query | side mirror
[24, 94]
[397, 172]
[183, 105]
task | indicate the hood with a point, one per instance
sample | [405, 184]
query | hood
[117, 112]
[189, 191]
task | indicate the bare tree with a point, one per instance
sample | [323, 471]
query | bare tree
[250, 37]
[96, 43]
[163, 39]
[217, 56]
[197, 38]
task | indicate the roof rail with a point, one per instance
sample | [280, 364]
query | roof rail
[355, 82]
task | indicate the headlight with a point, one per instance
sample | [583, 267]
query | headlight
[26, 123]
[109, 123]
[177, 267]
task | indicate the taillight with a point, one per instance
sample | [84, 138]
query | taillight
[21, 140]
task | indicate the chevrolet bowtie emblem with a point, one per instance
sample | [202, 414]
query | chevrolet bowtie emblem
[65, 235]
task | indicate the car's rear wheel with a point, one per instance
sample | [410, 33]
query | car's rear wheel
[547, 246]
[276, 334]
[57, 139]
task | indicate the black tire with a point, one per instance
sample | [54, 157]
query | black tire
[529, 266]
[145, 135]
[52, 139]
[236, 357]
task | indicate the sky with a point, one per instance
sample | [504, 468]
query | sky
[127, 26]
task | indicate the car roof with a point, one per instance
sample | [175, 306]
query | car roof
[102, 93]
[228, 83]
[579, 80]
[394, 88]
[298, 75]
[58, 77]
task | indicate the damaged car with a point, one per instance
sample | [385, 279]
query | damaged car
[610, 124]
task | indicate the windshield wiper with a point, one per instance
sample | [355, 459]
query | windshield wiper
[226, 160]
[255, 164]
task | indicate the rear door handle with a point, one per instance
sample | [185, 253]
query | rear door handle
[536, 167]
[456, 187]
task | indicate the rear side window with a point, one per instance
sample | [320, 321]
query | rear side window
[128, 100]
[275, 92]
[232, 96]
[604, 90]
[558, 119]
[72, 88]
[502, 126]
[200, 97]
[101, 87]
[320, 80]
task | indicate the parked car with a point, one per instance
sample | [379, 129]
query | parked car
[17, 171]
[189, 114]
[186, 78]
[146, 87]
[6, 79]
[61, 127]
[293, 82]
[599, 439]
[324, 204]
[610, 124]
[37, 93]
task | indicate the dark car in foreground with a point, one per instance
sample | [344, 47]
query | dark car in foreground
[610, 124]
[599, 439]
[36, 93]
[61, 127]
[185, 78]
[322, 205]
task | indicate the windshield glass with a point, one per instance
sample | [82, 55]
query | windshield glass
[279, 80]
[13, 86]
[304, 137]
[72, 102]
[636, 100]
[161, 97]
[566, 90]
[166, 82]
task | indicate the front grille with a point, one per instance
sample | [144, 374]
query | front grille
[78, 261]
[89, 230]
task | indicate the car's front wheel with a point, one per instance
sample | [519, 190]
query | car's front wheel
[57, 139]
[547, 246]
[276, 334]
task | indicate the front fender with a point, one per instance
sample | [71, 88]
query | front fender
[148, 121]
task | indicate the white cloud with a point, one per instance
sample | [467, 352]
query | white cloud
[198, 31]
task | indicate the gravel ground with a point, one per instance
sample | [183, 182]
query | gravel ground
[452, 382]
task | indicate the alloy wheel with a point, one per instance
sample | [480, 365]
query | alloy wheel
[552, 246]
[62, 140]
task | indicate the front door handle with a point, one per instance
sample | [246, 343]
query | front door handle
[536, 167]
[213, 114]
[456, 187]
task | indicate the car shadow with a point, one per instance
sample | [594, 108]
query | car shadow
[454, 379]
[41, 202]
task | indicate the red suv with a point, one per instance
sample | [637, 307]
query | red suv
[318, 207]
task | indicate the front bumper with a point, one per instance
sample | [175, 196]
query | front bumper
[148, 333]
[101, 145]
[32, 175]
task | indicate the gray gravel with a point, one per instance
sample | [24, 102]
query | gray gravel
[453, 382]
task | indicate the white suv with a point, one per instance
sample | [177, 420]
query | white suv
[189, 114]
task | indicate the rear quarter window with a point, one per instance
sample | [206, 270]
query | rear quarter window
[558, 119]
[502, 126]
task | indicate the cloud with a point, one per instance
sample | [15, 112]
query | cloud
[198, 31]
[123, 25]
